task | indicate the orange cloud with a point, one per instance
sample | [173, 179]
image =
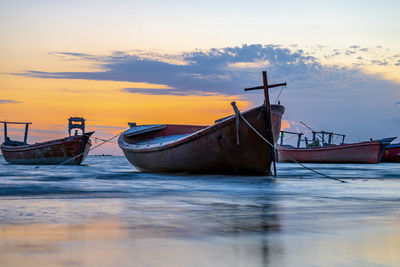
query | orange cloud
[285, 124]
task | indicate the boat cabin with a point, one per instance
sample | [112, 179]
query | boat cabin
[80, 124]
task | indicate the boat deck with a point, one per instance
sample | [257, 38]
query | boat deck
[161, 140]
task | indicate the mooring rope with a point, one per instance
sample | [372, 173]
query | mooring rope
[101, 139]
[280, 92]
[105, 141]
[274, 147]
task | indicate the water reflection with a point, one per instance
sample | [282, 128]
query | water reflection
[149, 232]
[108, 215]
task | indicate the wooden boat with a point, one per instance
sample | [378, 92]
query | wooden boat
[222, 147]
[362, 152]
[391, 153]
[202, 149]
[69, 150]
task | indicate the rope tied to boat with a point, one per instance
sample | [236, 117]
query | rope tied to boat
[105, 141]
[279, 95]
[276, 147]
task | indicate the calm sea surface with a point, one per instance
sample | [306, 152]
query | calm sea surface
[105, 213]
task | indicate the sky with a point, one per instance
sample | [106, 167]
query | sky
[114, 62]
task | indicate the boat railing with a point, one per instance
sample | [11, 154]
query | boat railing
[330, 135]
[315, 141]
[294, 133]
[7, 140]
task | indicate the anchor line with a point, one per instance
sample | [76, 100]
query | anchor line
[292, 159]
[105, 141]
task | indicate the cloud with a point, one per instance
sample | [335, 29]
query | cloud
[249, 65]
[72, 91]
[354, 46]
[48, 131]
[107, 127]
[6, 101]
[156, 91]
[350, 52]
[380, 62]
[224, 71]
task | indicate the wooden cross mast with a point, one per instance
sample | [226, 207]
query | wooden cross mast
[268, 124]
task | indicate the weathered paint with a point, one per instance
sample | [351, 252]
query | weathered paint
[363, 152]
[211, 149]
[50, 152]
[391, 153]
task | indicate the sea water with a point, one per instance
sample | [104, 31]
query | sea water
[106, 213]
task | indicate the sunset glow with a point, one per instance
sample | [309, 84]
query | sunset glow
[111, 69]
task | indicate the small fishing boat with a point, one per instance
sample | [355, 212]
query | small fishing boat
[391, 153]
[71, 150]
[228, 146]
[202, 149]
[327, 152]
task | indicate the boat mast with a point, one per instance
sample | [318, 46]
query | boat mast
[268, 124]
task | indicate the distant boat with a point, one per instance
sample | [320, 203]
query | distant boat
[69, 150]
[203, 149]
[314, 152]
[391, 153]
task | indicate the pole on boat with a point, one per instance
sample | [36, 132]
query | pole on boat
[270, 136]
[268, 123]
[5, 131]
[26, 133]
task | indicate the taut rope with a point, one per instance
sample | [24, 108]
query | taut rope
[237, 112]
[105, 141]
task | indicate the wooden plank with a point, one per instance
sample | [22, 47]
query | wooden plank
[262, 86]
[270, 136]
[291, 132]
[26, 133]
[10, 122]
[5, 131]
[137, 130]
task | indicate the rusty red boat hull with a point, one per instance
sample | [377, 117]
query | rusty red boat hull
[391, 153]
[65, 151]
[363, 152]
[211, 149]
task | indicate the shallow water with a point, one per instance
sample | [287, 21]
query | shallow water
[104, 213]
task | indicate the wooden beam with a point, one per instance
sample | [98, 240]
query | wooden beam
[268, 122]
[298, 140]
[267, 114]
[262, 86]
[291, 132]
[5, 131]
[26, 133]
[10, 122]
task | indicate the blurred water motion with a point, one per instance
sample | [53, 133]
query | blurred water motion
[106, 214]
